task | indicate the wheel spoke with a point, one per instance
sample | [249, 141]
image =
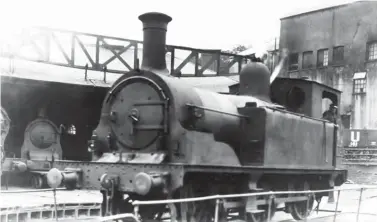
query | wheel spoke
[197, 211]
[302, 209]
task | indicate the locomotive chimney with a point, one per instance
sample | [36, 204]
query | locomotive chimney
[154, 28]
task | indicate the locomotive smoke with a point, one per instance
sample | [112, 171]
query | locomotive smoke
[154, 28]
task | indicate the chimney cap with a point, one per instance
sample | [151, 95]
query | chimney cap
[154, 17]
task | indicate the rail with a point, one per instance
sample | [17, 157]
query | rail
[270, 194]
[359, 156]
[113, 55]
[48, 212]
[31, 191]
[130, 217]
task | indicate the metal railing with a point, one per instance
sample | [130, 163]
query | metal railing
[271, 195]
[359, 156]
[93, 211]
[111, 54]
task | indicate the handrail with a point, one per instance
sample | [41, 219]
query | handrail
[270, 193]
[135, 218]
[227, 196]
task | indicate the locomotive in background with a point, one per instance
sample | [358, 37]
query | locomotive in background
[41, 141]
[362, 138]
[360, 146]
[163, 139]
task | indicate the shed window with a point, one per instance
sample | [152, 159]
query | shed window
[323, 57]
[338, 54]
[71, 130]
[293, 61]
[372, 51]
[307, 60]
[359, 83]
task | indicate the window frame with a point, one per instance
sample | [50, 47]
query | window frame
[293, 64]
[72, 130]
[323, 60]
[359, 83]
[338, 61]
[374, 43]
[310, 65]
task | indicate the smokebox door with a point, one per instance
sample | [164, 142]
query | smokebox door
[137, 114]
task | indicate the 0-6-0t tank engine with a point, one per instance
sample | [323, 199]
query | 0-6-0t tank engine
[158, 138]
[176, 141]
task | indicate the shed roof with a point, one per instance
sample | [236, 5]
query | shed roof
[329, 6]
[312, 82]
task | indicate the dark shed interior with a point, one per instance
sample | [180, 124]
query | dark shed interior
[66, 104]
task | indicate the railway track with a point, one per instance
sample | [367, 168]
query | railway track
[19, 204]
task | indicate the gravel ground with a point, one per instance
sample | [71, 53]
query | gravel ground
[348, 205]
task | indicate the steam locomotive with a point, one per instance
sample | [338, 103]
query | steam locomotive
[41, 142]
[175, 141]
[158, 138]
[42, 139]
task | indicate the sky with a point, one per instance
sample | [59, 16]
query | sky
[208, 24]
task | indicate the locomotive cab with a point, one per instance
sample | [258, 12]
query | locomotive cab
[303, 96]
[299, 95]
